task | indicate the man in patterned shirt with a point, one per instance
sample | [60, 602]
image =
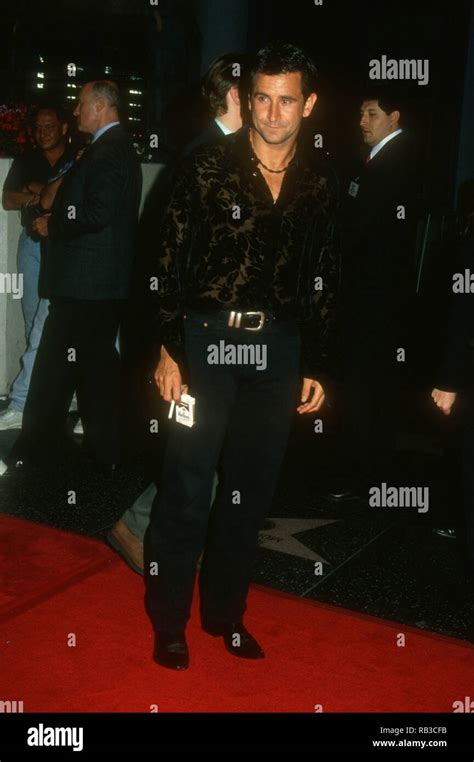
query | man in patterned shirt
[247, 270]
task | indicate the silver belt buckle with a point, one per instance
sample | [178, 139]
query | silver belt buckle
[235, 319]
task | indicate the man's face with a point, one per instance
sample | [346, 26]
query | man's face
[277, 106]
[48, 131]
[87, 110]
[375, 124]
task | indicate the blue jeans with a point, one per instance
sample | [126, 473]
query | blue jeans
[35, 311]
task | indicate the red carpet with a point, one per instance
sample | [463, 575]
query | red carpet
[37, 561]
[315, 654]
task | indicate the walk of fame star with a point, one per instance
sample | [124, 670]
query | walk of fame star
[280, 537]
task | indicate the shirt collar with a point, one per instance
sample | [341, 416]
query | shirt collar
[380, 145]
[102, 130]
[222, 127]
[245, 151]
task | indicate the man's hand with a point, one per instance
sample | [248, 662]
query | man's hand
[444, 400]
[40, 225]
[34, 188]
[311, 404]
[168, 378]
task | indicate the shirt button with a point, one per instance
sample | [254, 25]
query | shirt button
[255, 174]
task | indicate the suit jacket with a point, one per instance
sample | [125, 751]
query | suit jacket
[378, 247]
[456, 371]
[90, 252]
[211, 134]
[378, 252]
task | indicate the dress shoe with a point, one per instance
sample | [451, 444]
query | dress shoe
[171, 650]
[10, 419]
[19, 469]
[447, 532]
[78, 428]
[128, 545]
[341, 493]
[237, 640]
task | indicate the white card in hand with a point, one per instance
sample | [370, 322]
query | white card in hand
[184, 410]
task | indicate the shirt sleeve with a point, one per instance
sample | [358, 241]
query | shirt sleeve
[17, 176]
[454, 373]
[320, 288]
[175, 244]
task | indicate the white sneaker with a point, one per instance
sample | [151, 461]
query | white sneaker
[10, 419]
[78, 427]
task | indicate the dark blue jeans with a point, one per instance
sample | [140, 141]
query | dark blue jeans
[243, 417]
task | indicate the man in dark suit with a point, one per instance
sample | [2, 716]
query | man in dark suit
[378, 277]
[221, 92]
[91, 238]
[455, 374]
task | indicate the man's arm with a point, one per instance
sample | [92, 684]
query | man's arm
[17, 192]
[48, 194]
[15, 200]
[321, 284]
[175, 241]
[42, 207]
[455, 371]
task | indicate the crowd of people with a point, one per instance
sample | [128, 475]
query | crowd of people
[259, 246]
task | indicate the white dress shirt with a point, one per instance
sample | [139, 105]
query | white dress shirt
[222, 127]
[380, 145]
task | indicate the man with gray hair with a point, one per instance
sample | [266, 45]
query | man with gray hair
[90, 234]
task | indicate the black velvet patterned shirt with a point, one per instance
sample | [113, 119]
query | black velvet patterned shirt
[225, 244]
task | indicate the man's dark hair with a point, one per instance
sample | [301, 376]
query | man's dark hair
[285, 58]
[223, 74]
[105, 88]
[387, 103]
[58, 110]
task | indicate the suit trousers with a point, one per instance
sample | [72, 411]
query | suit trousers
[371, 394]
[78, 352]
[468, 479]
[243, 418]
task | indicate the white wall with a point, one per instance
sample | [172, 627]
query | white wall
[11, 318]
[12, 342]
